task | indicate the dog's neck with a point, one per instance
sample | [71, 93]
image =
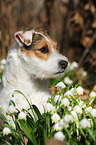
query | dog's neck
[16, 78]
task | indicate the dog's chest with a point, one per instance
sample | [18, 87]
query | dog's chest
[36, 91]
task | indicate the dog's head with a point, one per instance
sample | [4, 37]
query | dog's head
[39, 54]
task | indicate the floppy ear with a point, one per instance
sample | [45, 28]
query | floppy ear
[24, 37]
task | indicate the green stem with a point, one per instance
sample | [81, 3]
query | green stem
[9, 121]
[17, 91]
[77, 130]
[48, 126]
[92, 101]
[89, 104]
[3, 111]
[82, 132]
[67, 132]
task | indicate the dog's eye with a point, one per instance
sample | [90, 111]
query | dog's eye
[44, 49]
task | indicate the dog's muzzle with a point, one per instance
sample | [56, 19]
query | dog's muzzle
[63, 64]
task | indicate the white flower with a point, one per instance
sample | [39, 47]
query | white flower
[60, 86]
[57, 98]
[63, 124]
[49, 107]
[68, 118]
[69, 108]
[68, 81]
[77, 109]
[82, 104]
[85, 123]
[79, 90]
[22, 115]
[93, 112]
[72, 90]
[60, 124]
[3, 61]
[65, 102]
[55, 117]
[88, 110]
[59, 136]
[12, 109]
[57, 126]
[2, 67]
[68, 93]
[6, 131]
[74, 114]
[84, 73]
[73, 65]
[92, 95]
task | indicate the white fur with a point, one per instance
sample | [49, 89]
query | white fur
[29, 75]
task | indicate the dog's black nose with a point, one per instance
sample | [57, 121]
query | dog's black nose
[63, 64]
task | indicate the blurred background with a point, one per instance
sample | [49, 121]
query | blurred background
[72, 23]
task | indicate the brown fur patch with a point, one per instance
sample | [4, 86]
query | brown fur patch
[37, 43]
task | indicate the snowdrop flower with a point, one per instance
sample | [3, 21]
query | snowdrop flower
[73, 65]
[68, 118]
[84, 73]
[92, 95]
[59, 136]
[82, 105]
[79, 90]
[77, 109]
[12, 109]
[85, 123]
[57, 98]
[2, 67]
[49, 107]
[69, 94]
[55, 117]
[93, 112]
[69, 108]
[22, 115]
[74, 114]
[65, 102]
[6, 131]
[60, 86]
[57, 126]
[3, 61]
[88, 110]
[72, 90]
[63, 124]
[68, 81]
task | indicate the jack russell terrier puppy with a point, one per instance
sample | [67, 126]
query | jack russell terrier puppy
[31, 61]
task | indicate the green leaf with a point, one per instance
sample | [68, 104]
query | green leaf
[94, 133]
[4, 118]
[27, 130]
[90, 131]
[30, 122]
[37, 112]
[17, 91]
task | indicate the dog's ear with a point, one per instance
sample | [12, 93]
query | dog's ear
[24, 38]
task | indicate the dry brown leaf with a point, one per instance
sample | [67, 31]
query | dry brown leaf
[77, 18]
[94, 24]
[86, 41]
[90, 6]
